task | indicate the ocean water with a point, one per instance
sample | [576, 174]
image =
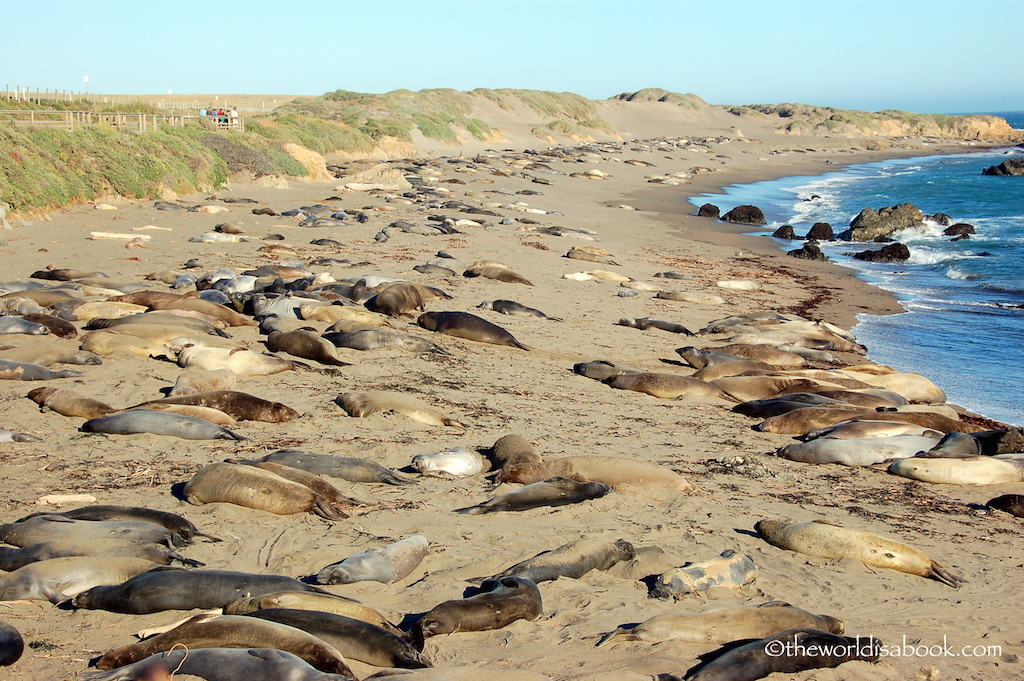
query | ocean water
[964, 321]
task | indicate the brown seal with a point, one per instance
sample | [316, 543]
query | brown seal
[468, 326]
[573, 560]
[401, 297]
[305, 344]
[550, 492]
[240, 406]
[502, 273]
[69, 403]
[1011, 503]
[57, 326]
[225, 314]
[666, 386]
[360, 405]
[12, 645]
[513, 449]
[513, 598]
[308, 600]
[256, 488]
[202, 380]
[611, 470]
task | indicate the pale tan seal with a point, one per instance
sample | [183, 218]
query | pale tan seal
[974, 470]
[69, 403]
[829, 540]
[666, 386]
[216, 664]
[307, 600]
[730, 569]
[58, 579]
[363, 404]
[256, 488]
[611, 470]
[385, 564]
[241, 362]
[202, 380]
[501, 273]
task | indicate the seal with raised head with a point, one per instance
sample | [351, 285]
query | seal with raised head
[12, 645]
[385, 564]
[611, 470]
[574, 559]
[511, 599]
[666, 386]
[219, 664]
[344, 467]
[550, 492]
[363, 404]
[829, 540]
[159, 423]
[724, 625]
[259, 489]
[468, 326]
[174, 589]
[231, 631]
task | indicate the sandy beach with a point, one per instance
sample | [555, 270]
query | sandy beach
[495, 390]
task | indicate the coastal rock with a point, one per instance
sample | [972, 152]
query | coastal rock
[709, 210]
[820, 231]
[941, 219]
[784, 232]
[870, 223]
[810, 251]
[959, 229]
[745, 215]
[1011, 166]
[892, 253]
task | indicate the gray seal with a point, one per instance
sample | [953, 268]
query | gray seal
[159, 423]
[512, 598]
[468, 326]
[550, 492]
[26, 371]
[40, 528]
[344, 467]
[13, 558]
[172, 521]
[573, 560]
[513, 308]
[385, 564]
[220, 664]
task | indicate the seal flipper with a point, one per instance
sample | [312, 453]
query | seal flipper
[943, 575]
[327, 510]
[226, 434]
[622, 634]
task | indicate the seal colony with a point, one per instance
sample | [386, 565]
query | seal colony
[572, 497]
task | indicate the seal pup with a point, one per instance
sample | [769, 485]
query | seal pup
[353, 638]
[69, 403]
[231, 631]
[174, 589]
[307, 600]
[730, 569]
[645, 323]
[385, 564]
[1011, 503]
[468, 326]
[12, 645]
[58, 579]
[724, 625]
[511, 599]
[305, 344]
[159, 423]
[258, 489]
[573, 559]
[550, 492]
[829, 540]
[512, 449]
[611, 470]
[666, 386]
[511, 307]
[218, 664]
[360, 405]
[238, 405]
[344, 467]
[813, 649]
[971, 470]
[458, 461]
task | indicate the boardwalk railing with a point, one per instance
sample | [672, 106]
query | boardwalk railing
[134, 122]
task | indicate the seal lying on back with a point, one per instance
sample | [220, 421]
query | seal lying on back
[159, 423]
[12, 645]
[468, 326]
[611, 470]
[724, 625]
[220, 664]
[514, 308]
[364, 404]
[231, 631]
[174, 589]
[58, 579]
[355, 639]
[346, 468]
[828, 540]
[812, 649]
[551, 492]
[385, 564]
[512, 598]
[573, 560]
[26, 371]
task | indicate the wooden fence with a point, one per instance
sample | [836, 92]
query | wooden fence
[133, 122]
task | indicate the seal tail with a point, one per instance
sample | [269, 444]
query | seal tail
[226, 434]
[186, 561]
[209, 537]
[520, 345]
[620, 634]
[941, 574]
[327, 510]
[470, 510]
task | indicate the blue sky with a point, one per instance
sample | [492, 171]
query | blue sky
[924, 56]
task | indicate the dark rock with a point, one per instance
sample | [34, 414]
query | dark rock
[941, 219]
[891, 253]
[883, 240]
[959, 229]
[709, 210]
[1011, 166]
[871, 223]
[745, 215]
[784, 232]
[810, 251]
[962, 237]
[821, 231]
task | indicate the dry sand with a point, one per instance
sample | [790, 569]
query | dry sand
[498, 390]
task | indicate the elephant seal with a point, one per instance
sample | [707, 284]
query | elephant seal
[733, 368]
[511, 307]
[258, 489]
[179, 525]
[955, 446]
[747, 388]
[460, 462]
[859, 429]
[666, 386]
[866, 451]
[11, 325]
[587, 256]
[789, 651]
[550, 492]
[219, 664]
[238, 405]
[26, 371]
[215, 310]
[468, 326]
[305, 344]
[11, 436]
[829, 540]
[385, 564]
[363, 404]
[49, 354]
[61, 328]
[69, 403]
[40, 528]
[769, 354]
[353, 638]
[231, 631]
[805, 419]
[241, 362]
[13, 558]
[319, 484]
[730, 569]
[645, 323]
[398, 299]
[1011, 503]
[783, 404]
[611, 470]
[159, 423]
[12, 645]
[724, 625]
[503, 274]
[58, 579]
[600, 369]
[346, 468]
[925, 420]
[572, 560]
[973, 470]
[174, 589]
[511, 599]
[201, 381]
[306, 600]
[373, 338]
[512, 449]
